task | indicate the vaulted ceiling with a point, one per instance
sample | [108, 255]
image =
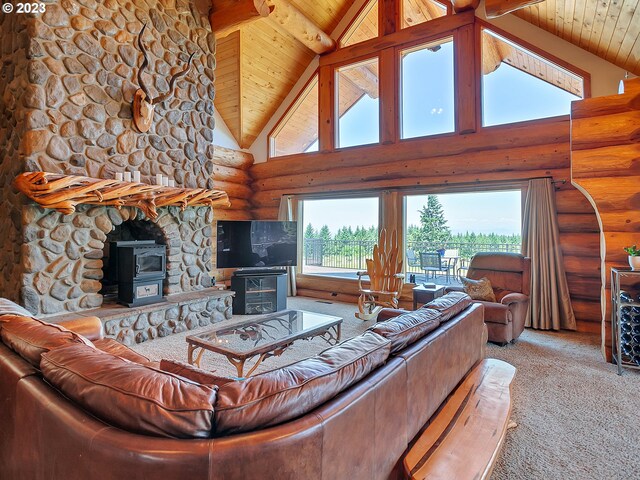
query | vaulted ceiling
[259, 62]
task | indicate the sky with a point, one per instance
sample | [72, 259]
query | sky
[509, 95]
[478, 212]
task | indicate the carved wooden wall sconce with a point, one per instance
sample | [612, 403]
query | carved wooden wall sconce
[143, 102]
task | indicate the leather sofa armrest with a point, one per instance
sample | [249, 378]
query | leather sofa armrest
[387, 313]
[88, 327]
[514, 297]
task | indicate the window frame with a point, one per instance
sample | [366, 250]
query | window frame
[301, 224]
[398, 77]
[457, 189]
[480, 25]
[288, 113]
[336, 98]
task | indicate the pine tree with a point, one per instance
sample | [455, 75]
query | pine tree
[310, 232]
[325, 233]
[433, 226]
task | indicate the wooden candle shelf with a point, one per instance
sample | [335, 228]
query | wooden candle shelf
[64, 192]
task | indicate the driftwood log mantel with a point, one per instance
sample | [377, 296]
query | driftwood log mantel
[64, 192]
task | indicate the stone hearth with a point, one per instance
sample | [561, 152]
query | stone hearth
[181, 312]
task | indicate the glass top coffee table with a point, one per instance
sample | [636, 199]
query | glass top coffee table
[262, 337]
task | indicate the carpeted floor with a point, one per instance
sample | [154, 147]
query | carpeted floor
[577, 419]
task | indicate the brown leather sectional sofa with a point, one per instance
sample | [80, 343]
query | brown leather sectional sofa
[76, 406]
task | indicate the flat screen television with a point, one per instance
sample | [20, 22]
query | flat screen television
[256, 244]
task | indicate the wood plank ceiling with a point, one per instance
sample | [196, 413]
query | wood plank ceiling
[258, 65]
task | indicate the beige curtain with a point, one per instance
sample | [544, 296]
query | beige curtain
[550, 307]
[289, 212]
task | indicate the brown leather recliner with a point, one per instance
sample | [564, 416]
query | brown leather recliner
[510, 277]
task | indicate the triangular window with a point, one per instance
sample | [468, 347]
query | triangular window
[415, 12]
[297, 131]
[364, 27]
[520, 85]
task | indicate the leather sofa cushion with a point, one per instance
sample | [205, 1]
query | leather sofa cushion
[109, 345]
[450, 304]
[405, 329]
[193, 373]
[128, 395]
[30, 338]
[274, 397]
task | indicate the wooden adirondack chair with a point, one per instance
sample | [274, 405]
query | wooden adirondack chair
[384, 275]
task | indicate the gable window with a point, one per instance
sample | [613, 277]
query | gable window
[427, 80]
[415, 12]
[519, 85]
[357, 104]
[297, 131]
[364, 27]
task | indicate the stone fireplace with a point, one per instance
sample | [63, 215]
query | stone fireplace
[66, 96]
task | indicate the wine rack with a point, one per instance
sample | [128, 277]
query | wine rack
[625, 318]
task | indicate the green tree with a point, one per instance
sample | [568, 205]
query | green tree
[310, 232]
[325, 233]
[433, 226]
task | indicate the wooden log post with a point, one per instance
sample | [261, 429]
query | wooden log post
[605, 166]
[227, 16]
[287, 17]
[497, 8]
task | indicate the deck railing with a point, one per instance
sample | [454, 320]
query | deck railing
[351, 254]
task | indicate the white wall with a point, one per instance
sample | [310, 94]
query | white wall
[221, 134]
[605, 77]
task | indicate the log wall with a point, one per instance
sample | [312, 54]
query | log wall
[605, 155]
[497, 155]
[231, 174]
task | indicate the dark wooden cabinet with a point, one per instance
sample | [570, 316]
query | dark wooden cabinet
[259, 293]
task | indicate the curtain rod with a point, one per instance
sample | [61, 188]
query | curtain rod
[348, 193]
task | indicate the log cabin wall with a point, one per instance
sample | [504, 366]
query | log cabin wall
[496, 155]
[605, 151]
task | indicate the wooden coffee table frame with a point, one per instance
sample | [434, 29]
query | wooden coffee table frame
[329, 331]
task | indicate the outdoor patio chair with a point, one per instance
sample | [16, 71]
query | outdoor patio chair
[430, 263]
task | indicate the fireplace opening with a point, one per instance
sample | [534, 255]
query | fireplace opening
[135, 264]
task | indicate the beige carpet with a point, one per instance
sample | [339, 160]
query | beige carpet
[577, 419]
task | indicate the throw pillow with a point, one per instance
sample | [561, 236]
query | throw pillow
[479, 289]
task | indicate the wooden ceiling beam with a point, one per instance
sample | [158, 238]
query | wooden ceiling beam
[289, 18]
[227, 16]
[497, 8]
[462, 5]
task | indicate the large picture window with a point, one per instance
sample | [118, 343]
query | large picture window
[338, 235]
[427, 97]
[357, 104]
[443, 231]
[519, 85]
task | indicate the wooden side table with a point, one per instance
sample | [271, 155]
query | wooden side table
[423, 294]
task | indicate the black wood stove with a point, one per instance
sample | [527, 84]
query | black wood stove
[140, 268]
